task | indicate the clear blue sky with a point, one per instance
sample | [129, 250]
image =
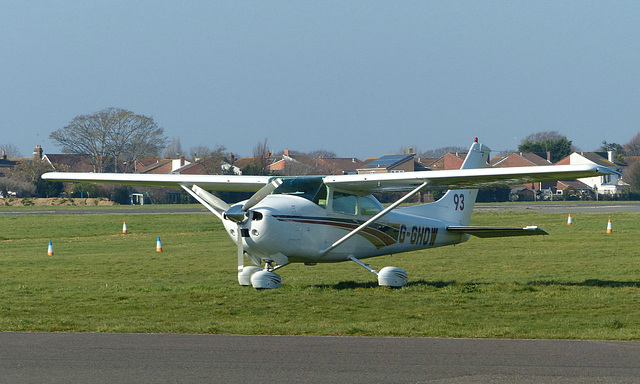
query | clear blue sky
[357, 78]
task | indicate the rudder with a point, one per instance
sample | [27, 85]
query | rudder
[456, 206]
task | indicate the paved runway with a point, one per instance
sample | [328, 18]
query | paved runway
[154, 358]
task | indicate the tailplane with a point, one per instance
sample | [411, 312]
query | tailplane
[456, 206]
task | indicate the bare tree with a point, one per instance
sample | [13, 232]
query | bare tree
[199, 151]
[111, 136]
[210, 159]
[632, 148]
[11, 151]
[307, 164]
[261, 155]
[439, 152]
[174, 149]
[632, 176]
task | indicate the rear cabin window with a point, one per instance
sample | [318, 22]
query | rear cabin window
[355, 205]
[369, 206]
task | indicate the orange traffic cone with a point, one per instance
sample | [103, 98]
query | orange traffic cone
[609, 229]
[158, 245]
[569, 220]
[50, 249]
[124, 227]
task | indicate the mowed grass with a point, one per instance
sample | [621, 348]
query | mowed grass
[578, 282]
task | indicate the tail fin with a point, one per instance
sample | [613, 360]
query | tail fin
[456, 205]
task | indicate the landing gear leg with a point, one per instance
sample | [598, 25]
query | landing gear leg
[388, 276]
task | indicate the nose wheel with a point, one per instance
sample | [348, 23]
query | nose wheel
[259, 278]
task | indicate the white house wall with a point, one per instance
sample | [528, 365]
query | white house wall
[604, 184]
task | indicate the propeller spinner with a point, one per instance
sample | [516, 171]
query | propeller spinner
[238, 213]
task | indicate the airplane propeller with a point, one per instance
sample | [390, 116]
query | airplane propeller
[238, 213]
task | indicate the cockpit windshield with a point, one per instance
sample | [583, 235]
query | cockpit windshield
[311, 188]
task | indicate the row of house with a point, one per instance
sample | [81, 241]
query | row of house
[602, 185]
[287, 163]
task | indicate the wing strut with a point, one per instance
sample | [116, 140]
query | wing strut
[373, 219]
[208, 200]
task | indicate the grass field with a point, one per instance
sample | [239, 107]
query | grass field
[578, 282]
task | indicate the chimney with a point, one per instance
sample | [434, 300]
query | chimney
[610, 156]
[286, 152]
[37, 153]
[549, 156]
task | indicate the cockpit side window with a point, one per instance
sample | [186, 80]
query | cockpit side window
[344, 203]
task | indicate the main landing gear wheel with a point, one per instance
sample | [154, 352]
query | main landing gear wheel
[392, 277]
[388, 276]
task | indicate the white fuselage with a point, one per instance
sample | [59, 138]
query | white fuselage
[293, 229]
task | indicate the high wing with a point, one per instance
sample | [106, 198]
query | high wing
[462, 178]
[363, 183]
[213, 182]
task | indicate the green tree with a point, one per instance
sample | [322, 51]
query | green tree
[46, 188]
[122, 195]
[84, 190]
[615, 147]
[543, 142]
[29, 172]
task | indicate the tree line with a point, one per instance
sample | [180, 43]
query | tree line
[114, 139]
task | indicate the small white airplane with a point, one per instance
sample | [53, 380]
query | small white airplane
[326, 219]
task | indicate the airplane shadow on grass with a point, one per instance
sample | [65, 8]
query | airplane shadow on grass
[373, 284]
[589, 283]
[475, 287]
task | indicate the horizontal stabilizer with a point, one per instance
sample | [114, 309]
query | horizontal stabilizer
[498, 231]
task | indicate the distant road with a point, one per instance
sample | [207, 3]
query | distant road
[120, 209]
[172, 358]
[561, 207]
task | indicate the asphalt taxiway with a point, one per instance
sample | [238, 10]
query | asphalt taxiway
[173, 358]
